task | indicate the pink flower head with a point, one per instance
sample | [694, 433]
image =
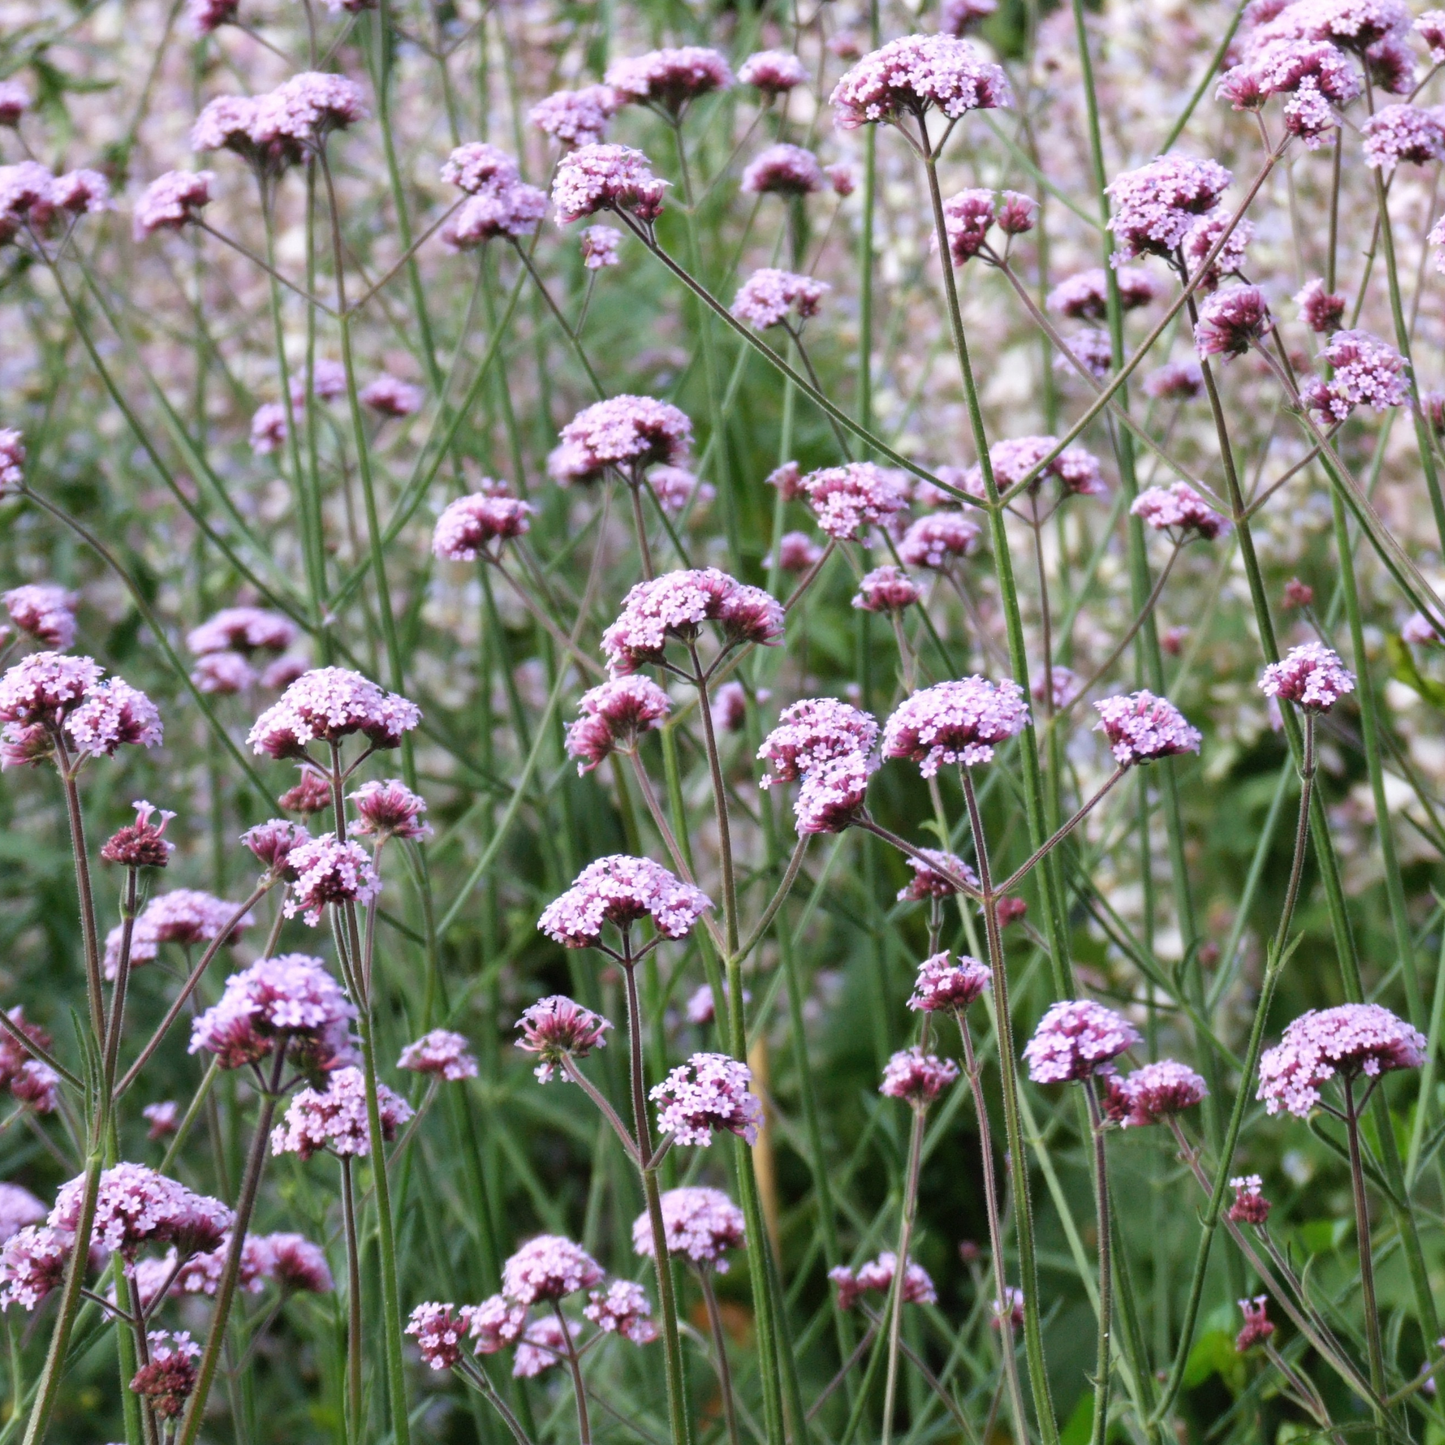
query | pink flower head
[113, 715]
[851, 498]
[675, 487]
[1084, 296]
[967, 218]
[628, 433]
[842, 179]
[163, 1118]
[510, 211]
[477, 167]
[622, 1309]
[783, 170]
[1422, 631]
[298, 1264]
[223, 674]
[675, 605]
[543, 1346]
[172, 201]
[916, 1077]
[555, 1028]
[774, 72]
[614, 717]
[832, 794]
[1257, 1325]
[32, 1264]
[576, 117]
[936, 541]
[244, 630]
[1141, 728]
[876, 1277]
[1175, 381]
[1204, 235]
[912, 75]
[621, 890]
[389, 396]
[271, 844]
[1074, 1038]
[14, 102]
[327, 704]
[1391, 64]
[948, 987]
[138, 1206]
[225, 124]
[1012, 460]
[797, 553]
[495, 1323]
[468, 525]
[207, 16]
[1179, 510]
[1321, 311]
[1367, 372]
[1431, 28]
[1153, 1093]
[439, 1332]
[1311, 676]
[956, 17]
[1402, 133]
[36, 696]
[388, 810]
[669, 79]
[1156, 205]
[170, 1375]
[1355, 24]
[298, 116]
[1353, 1039]
[291, 998]
[12, 457]
[185, 916]
[606, 178]
[936, 875]
[769, 297]
[700, 1224]
[442, 1053]
[80, 192]
[812, 732]
[45, 612]
[335, 1119]
[886, 589]
[269, 428]
[18, 1208]
[24, 1075]
[1231, 320]
[708, 1092]
[329, 871]
[548, 1268]
[1249, 1206]
[701, 1009]
[955, 722]
[599, 247]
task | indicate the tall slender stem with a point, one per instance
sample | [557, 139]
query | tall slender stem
[1365, 1242]
[579, 1388]
[720, 1349]
[900, 1270]
[1103, 1360]
[354, 1424]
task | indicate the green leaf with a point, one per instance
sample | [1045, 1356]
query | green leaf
[1403, 669]
[1323, 1236]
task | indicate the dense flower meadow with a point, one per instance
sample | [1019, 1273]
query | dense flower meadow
[721, 722]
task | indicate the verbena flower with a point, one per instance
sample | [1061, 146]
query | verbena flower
[1311, 676]
[185, 916]
[555, 1028]
[18, 1208]
[1232, 320]
[1074, 1039]
[847, 500]
[45, 612]
[163, 1119]
[390, 396]
[1365, 372]
[171, 202]
[886, 589]
[797, 553]
[1350, 1040]
[1175, 381]
[943, 986]
[299, 1265]
[439, 1332]
[783, 170]
[271, 843]
[675, 605]
[814, 731]
[1156, 205]
[1180, 510]
[14, 102]
[328, 704]
[543, 1346]
[606, 178]
[876, 1277]
[622, 890]
[915, 74]
[935, 875]
[1205, 235]
[388, 810]
[599, 247]
[244, 630]
[1257, 1326]
[168, 1379]
[1141, 728]
[1397, 134]
[548, 1268]
[1249, 1205]
[1084, 296]
[291, 998]
[916, 1077]
[769, 297]
[32, 1264]
[1075, 469]
[622, 1309]
[615, 715]
[140, 844]
[627, 433]
[938, 540]
[774, 72]
[329, 871]
[708, 1092]
[669, 78]
[1321, 310]
[577, 117]
[955, 722]
[137, 1206]
[441, 1053]
[12, 460]
[1152, 1093]
[700, 1225]
[335, 1119]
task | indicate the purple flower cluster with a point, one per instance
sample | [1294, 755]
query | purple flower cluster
[615, 714]
[329, 871]
[280, 128]
[621, 890]
[442, 1054]
[1084, 296]
[936, 875]
[886, 589]
[669, 78]
[1152, 1093]
[876, 1277]
[1397, 134]
[33, 199]
[769, 297]
[499, 202]
[915, 74]
[708, 1092]
[783, 170]
[675, 605]
[45, 612]
[1141, 728]
[172, 201]
[774, 72]
[335, 1118]
[828, 746]
[969, 216]
[700, 1224]
[596, 178]
[943, 986]
[955, 722]
[1075, 1039]
[576, 117]
[916, 1077]
[1011, 460]
[937, 541]
[1366, 372]
[848, 499]
[555, 1028]
[137, 1206]
[1311, 676]
[1180, 510]
[1352, 1039]
[1156, 206]
[1231, 321]
[183, 916]
[626, 433]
